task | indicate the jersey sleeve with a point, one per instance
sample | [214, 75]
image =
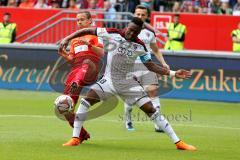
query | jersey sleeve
[102, 32]
[96, 41]
[145, 57]
[144, 54]
[99, 42]
[153, 39]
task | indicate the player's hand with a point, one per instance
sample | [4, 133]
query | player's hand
[62, 51]
[183, 74]
[84, 41]
[165, 65]
[63, 44]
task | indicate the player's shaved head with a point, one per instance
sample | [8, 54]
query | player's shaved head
[137, 21]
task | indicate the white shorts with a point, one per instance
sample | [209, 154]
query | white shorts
[144, 76]
[129, 90]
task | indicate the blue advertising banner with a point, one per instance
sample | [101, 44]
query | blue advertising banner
[214, 78]
[217, 78]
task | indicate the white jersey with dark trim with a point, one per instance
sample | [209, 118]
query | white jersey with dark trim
[147, 36]
[121, 53]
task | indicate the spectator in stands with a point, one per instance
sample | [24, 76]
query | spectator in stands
[215, 6]
[131, 5]
[73, 5]
[82, 4]
[176, 7]
[147, 3]
[100, 3]
[64, 3]
[94, 4]
[27, 4]
[111, 13]
[224, 9]
[189, 6]
[120, 5]
[41, 4]
[236, 39]
[202, 6]
[163, 5]
[3, 2]
[109, 8]
[176, 34]
[7, 30]
[12, 3]
[236, 8]
[232, 3]
[55, 4]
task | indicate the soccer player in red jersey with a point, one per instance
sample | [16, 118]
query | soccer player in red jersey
[84, 56]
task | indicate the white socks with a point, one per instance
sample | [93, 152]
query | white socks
[162, 123]
[128, 112]
[156, 103]
[81, 116]
[128, 109]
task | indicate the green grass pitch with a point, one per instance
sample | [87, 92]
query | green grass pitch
[29, 130]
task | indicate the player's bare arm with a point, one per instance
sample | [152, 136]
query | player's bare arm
[183, 74]
[96, 49]
[158, 55]
[79, 33]
[62, 52]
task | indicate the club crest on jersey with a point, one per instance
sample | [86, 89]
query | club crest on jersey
[135, 46]
[125, 51]
[118, 39]
[147, 34]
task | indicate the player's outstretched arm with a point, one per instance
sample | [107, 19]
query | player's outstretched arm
[183, 74]
[158, 55]
[98, 50]
[76, 34]
[62, 52]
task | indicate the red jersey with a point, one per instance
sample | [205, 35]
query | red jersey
[81, 51]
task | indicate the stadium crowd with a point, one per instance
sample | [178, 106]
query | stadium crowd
[227, 7]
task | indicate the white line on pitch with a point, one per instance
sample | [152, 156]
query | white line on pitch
[117, 121]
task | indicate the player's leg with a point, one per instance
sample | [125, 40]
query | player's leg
[162, 122]
[152, 91]
[81, 114]
[149, 81]
[99, 91]
[128, 116]
[73, 91]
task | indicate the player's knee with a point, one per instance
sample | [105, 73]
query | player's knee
[148, 109]
[92, 97]
[154, 115]
[127, 107]
[152, 91]
[152, 111]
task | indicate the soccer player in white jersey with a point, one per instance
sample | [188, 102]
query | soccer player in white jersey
[120, 62]
[147, 79]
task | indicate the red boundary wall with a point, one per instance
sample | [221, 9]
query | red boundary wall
[28, 18]
[204, 32]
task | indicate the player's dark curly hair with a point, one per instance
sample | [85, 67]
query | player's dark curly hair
[137, 21]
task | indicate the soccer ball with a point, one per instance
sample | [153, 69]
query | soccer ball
[63, 104]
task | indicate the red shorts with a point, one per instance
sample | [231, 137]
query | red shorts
[82, 75]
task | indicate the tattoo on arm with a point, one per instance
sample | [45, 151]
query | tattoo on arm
[156, 68]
